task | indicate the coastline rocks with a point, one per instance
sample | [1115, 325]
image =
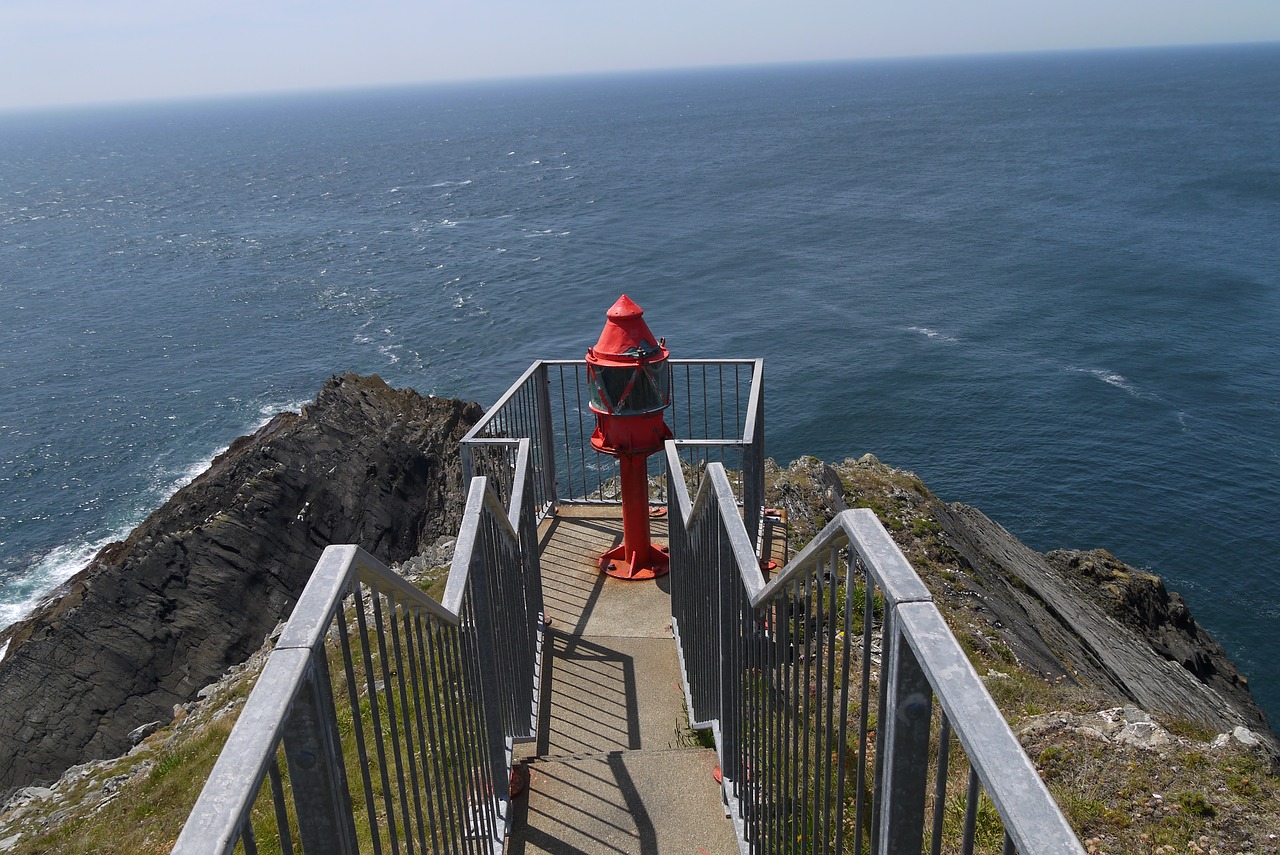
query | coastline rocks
[1121, 725]
[1084, 617]
[152, 623]
[196, 587]
[1098, 621]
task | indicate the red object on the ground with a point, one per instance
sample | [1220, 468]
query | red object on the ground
[519, 780]
[630, 385]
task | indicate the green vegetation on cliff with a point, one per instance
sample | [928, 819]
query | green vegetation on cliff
[1130, 776]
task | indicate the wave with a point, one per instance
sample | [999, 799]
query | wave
[932, 333]
[62, 562]
[1112, 378]
[51, 570]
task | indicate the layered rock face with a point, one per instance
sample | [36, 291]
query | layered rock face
[1081, 616]
[197, 585]
[1104, 624]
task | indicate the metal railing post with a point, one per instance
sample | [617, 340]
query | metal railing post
[546, 436]
[753, 458]
[906, 745]
[468, 466]
[313, 750]
[488, 666]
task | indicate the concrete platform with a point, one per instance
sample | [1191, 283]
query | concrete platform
[614, 768]
[623, 802]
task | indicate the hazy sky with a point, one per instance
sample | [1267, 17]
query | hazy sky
[81, 51]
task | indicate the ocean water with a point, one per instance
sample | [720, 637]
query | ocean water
[1048, 284]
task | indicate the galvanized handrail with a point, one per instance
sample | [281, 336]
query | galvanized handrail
[717, 409]
[845, 638]
[437, 693]
[771, 668]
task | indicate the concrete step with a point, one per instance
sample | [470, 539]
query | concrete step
[649, 802]
[614, 768]
[611, 694]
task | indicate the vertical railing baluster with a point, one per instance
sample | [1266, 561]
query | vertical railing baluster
[940, 784]
[846, 648]
[829, 806]
[793, 721]
[479, 781]
[376, 717]
[906, 742]
[472, 775]
[806, 779]
[392, 731]
[415, 625]
[443, 685]
[970, 813]
[864, 712]
[317, 775]
[410, 753]
[250, 842]
[357, 719]
[582, 446]
[545, 450]
[281, 808]
[819, 735]
[751, 770]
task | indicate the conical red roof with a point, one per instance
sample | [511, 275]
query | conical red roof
[626, 338]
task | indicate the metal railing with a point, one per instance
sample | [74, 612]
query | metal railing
[717, 410]
[384, 720]
[820, 688]
[846, 716]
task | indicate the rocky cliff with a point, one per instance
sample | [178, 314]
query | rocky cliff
[1082, 617]
[195, 587]
[198, 585]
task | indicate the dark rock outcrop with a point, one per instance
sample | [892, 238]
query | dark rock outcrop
[1080, 616]
[196, 586]
[1104, 624]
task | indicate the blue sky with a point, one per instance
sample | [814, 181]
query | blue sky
[55, 52]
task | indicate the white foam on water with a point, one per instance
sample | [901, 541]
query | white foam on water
[51, 570]
[1112, 378]
[932, 333]
[62, 562]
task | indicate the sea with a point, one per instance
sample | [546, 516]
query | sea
[1048, 284]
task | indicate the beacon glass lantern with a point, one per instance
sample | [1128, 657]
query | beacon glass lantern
[634, 389]
[630, 386]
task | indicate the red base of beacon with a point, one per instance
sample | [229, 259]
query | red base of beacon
[649, 564]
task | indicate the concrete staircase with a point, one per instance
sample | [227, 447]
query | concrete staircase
[615, 768]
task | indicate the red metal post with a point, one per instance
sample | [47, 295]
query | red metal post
[636, 557]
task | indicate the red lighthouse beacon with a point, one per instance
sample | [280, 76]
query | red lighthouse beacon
[630, 384]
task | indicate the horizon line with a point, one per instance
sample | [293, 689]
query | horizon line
[550, 76]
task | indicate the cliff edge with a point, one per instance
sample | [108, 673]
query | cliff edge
[196, 587]
[1083, 617]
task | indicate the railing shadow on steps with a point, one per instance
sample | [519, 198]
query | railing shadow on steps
[424, 698]
[820, 684]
